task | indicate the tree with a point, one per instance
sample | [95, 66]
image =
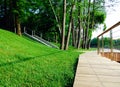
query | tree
[77, 15]
[19, 12]
[79, 22]
[70, 24]
[91, 20]
[87, 28]
[6, 18]
[63, 26]
[56, 17]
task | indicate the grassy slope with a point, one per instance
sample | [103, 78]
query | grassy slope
[26, 63]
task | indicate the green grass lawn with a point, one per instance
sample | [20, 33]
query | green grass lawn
[26, 63]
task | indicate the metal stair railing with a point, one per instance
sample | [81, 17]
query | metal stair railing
[32, 35]
[50, 44]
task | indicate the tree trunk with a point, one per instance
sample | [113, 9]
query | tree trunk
[11, 17]
[89, 41]
[87, 29]
[88, 45]
[84, 25]
[83, 41]
[93, 14]
[69, 28]
[18, 27]
[79, 22]
[63, 26]
[76, 37]
[56, 17]
[73, 33]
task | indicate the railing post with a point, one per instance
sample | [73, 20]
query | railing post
[98, 45]
[32, 32]
[41, 35]
[102, 46]
[110, 54]
[111, 44]
[111, 41]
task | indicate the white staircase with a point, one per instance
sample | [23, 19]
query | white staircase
[41, 40]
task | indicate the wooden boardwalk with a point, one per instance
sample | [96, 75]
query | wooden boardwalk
[96, 71]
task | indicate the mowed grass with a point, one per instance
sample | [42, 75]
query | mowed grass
[26, 63]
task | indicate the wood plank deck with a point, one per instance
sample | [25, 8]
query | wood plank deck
[96, 71]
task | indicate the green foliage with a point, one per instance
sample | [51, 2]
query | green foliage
[116, 44]
[100, 17]
[90, 33]
[104, 27]
[106, 42]
[26, 63]
[38, 15]
[41, 18]
[19, 8]
[94, 42]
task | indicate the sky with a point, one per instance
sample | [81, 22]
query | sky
[113, 16]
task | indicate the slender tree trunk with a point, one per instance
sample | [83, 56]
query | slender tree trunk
[79, 22]
[93, 14]
[56, 17]
[18, 27]
[11, 16]
[76, 37]
[63, 26]
[16, 18]
[84, 25]
[69, 28]
[73, 33]
[88, 45]
[87, 29]
[83, 41]
[89, 40]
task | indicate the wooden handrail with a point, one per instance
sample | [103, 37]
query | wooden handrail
[115, 25]
[111, 39]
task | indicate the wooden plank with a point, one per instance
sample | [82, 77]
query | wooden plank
[96, 71]
[115, 56]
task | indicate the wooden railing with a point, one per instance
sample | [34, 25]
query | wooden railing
[109, 43]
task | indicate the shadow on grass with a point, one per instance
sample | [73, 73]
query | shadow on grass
[22, 59]
[75, 68]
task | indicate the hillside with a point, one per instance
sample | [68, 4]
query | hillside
[26, 63]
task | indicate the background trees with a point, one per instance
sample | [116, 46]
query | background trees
[67, 22]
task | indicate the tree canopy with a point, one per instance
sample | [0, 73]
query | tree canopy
[69, 22]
